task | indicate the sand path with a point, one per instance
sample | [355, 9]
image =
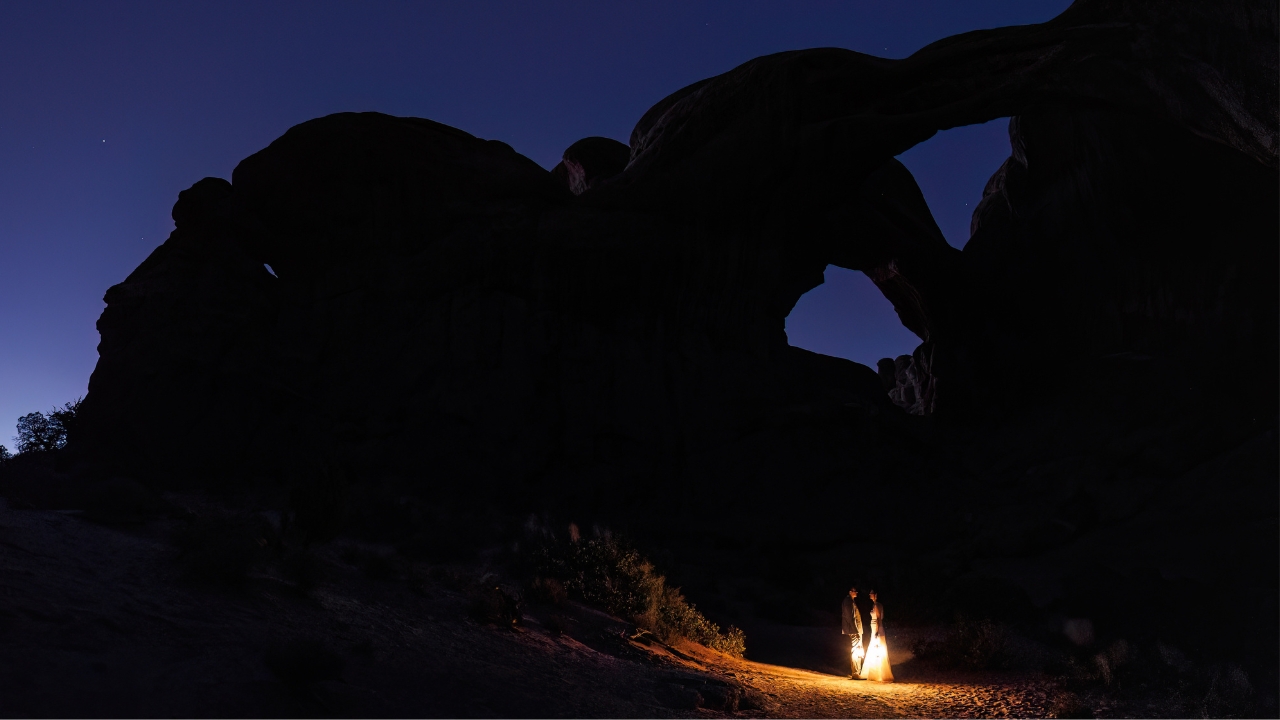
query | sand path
[98, 621]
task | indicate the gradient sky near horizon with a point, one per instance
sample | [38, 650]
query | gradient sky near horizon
[108, 110]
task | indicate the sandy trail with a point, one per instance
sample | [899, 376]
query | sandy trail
[98, 621]
[806, 693]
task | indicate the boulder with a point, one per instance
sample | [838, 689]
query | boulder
[591, 161]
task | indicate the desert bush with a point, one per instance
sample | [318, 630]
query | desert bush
[607, 571]
[676, 616]
[972, 644]
[602, 571]
[1122, 666]
[548, 591]
[1159, 680]
[41, 432]
[1173, 658]
[1229, 694]
[36, 433]
[1112, 661]
[1215, 691]
[493, 604]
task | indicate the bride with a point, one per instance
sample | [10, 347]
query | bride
[876, 665]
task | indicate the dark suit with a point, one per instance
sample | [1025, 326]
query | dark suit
[851, 625]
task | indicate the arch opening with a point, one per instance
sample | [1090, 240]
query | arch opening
[952, 169]
[848, 317]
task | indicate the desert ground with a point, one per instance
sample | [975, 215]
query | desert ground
[108, 620]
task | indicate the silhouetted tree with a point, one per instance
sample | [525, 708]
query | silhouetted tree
[39, 432]
[35, 433]
[4, 453]
[65, 417]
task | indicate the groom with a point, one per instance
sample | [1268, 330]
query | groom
[851, 625]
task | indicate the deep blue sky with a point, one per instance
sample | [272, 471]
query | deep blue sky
[108, 110]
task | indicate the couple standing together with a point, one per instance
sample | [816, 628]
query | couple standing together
[871, 663]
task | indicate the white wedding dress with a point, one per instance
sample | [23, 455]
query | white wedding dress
[875, 666]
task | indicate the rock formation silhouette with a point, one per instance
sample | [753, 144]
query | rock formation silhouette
[1093, 401]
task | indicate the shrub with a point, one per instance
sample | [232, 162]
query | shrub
[37, 434]
[1112, 661]
[677, 616]
[40, 432]
[1229, 694]
[1159, 680]
[1211, 691]
[64, 418]
[602, 571]
[606, 571]
[548, 590]
[973, 644]
[492, 604]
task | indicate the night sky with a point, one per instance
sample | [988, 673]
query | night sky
[107, 111]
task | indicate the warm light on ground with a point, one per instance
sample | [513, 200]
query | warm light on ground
[804, 693]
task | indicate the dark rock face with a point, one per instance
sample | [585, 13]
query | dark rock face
[449, 310]
[911, 385]
[606, 340]
[591, 161]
